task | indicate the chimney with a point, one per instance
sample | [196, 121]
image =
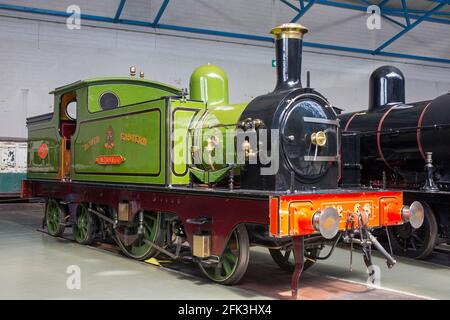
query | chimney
[288, 51]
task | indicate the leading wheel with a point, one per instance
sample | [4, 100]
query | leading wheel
[415, 243]
[84, 227]
[140, 249]
[55, 215]
[284, 258]
[234, 260]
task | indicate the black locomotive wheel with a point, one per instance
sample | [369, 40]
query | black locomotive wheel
[140, 249]
[234, 261]
[55, 215]
[84, 227]
[284, 258]
[415, 243]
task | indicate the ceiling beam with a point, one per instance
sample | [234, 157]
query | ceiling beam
[405, 12]
[387, 11]
[408, 28]
[32, 10]
[302, 12]
[302, 4]
[382, 3]
[119, 10]
[290, 5]
[160, 13]
[381, 12]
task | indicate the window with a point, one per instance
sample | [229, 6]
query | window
[108, 101]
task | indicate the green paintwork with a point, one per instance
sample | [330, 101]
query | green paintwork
[143, 158]
[207, 176]
[184, 115]
[45, 132]
[220, 122]
[144, 162]
[141, 129]
[127, 93]
[10, 182]
[153, 131]
[168, 89]
[209, 83]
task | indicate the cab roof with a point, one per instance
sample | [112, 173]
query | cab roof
[104, 80]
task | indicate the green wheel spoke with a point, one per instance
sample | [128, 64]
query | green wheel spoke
[141, 249]
[229, 261]
[148, 227]
[53, 217]
[80, 234]
[84, 226]
[231, 257]
[226, 267]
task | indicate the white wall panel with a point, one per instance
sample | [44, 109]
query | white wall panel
[37, 56]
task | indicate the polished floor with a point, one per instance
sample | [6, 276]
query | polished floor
[34, 265]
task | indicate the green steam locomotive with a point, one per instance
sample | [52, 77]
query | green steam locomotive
[164, 173]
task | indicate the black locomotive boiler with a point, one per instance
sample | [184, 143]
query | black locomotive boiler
[406, 146]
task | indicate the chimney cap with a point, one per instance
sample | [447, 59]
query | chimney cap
[289, 30]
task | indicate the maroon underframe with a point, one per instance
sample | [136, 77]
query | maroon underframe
[226, 209]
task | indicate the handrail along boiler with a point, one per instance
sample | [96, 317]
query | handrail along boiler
[146, 172]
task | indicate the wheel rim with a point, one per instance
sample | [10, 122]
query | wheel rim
[82, 229]
[228, 262]
[151, 228]
[52, 217]
[285, 259]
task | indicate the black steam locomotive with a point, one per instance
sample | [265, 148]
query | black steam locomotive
[405, 146]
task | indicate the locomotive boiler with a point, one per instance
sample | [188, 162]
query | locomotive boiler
[404, 145]
[195, 178]
[304, 151]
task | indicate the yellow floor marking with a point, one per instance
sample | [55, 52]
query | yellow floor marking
[157, 262]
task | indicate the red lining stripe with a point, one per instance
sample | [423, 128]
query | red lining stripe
[350, 120]
[380, 124]
[340, 148]
[419, 134]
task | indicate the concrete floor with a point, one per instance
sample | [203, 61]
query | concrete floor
[33, 265]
